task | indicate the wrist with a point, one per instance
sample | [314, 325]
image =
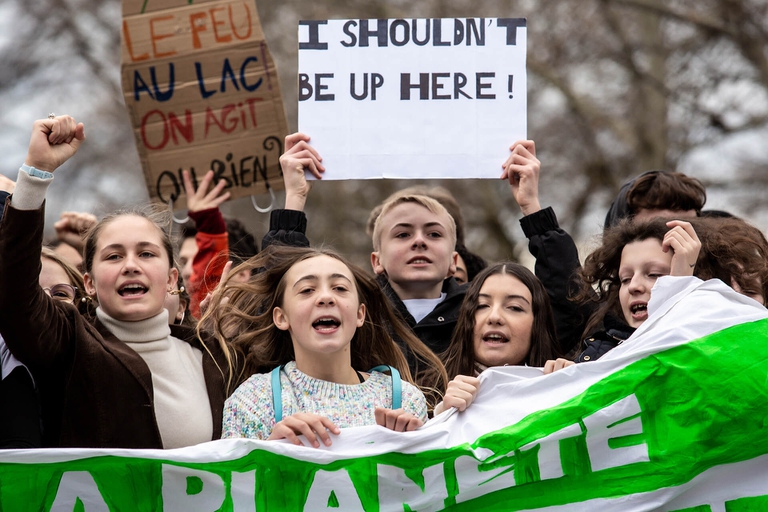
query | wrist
[36, 171]
[209, 221]
[532, 207]
[295, 202]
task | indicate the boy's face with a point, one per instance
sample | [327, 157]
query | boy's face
[416, 251]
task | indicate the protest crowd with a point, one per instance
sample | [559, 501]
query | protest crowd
[125, 336]
[140, 331]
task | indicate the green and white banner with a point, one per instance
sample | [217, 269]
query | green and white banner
[674, 419]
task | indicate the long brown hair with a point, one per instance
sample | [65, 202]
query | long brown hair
[240, 315]
[460, 356]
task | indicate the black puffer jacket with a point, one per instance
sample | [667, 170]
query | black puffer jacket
[598, 344]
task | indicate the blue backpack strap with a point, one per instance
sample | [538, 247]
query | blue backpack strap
[397, 384]
[277, 394]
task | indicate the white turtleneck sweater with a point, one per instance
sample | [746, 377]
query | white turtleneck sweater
[182, 407]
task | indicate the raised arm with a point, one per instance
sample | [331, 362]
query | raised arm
[33, 326]
[289, 226]
[557, 258]
[53, 142]
[72, 227]
[211, 238]
[521, 170]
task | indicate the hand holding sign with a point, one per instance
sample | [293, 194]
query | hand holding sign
[311, 426]
[298, 157]
[461, 392]
[396, 419]
[522, 170]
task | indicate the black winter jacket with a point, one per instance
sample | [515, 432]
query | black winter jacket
[598, 344]
[287, 227]
[557, 261]
[435, 329]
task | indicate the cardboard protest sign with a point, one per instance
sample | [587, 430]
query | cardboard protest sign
[202, 92]
[673, 420]
[416, 98]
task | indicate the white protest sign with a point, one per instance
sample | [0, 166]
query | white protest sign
[425, 98]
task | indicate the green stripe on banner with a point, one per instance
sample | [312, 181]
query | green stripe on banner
[673, 415]
[702, 403]
[752, 504]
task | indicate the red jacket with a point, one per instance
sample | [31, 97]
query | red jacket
[212, 255]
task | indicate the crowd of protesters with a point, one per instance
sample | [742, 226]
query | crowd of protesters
[126, 336]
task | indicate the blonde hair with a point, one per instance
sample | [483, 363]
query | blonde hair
[430, 204]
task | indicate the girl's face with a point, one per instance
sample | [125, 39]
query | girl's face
[642, 263]
[52, 277]
[130, 274]
[503, 321]
[321, 309]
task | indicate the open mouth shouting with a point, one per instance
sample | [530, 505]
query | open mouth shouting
[326, 324]
[495, 338]
[419, 260]
[132, 290]
[639, 310]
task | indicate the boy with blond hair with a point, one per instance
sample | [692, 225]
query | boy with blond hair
[413, 240]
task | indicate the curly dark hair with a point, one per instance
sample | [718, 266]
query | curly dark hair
[732, 250]
[735, 252]
[599, 281]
